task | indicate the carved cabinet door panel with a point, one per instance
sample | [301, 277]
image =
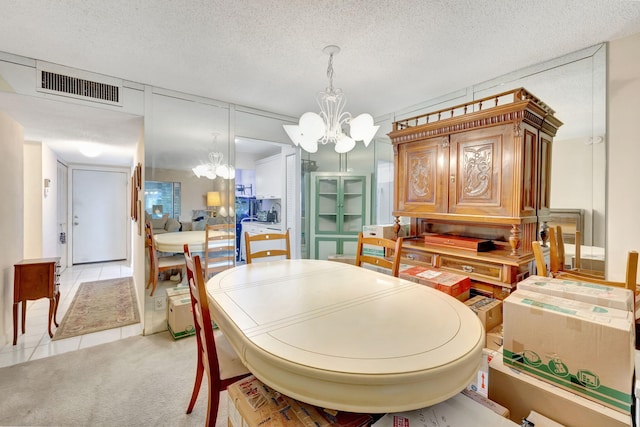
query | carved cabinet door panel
[422, 176]
[481, 172]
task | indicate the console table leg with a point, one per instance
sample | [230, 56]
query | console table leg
[52, 304]
[55, 312]
[24, 315]
[15, 323]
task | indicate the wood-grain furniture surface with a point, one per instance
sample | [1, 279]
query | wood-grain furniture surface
[35, 279]
[158, 264]
[275, 242]
[345, 337]
[219, 248]
[480, 169]
[215, 356]
[394, 247]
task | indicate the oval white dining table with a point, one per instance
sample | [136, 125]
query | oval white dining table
[175, 241]
[345, 337]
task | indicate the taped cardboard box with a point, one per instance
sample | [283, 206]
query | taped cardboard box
[494, 338]
[252, 403]
[177, 291]
[384, 231]
[180, 318]
[522, 393]
[584, 348]
[593, 293]
[457, 411]
[489, 310]
[453, 284]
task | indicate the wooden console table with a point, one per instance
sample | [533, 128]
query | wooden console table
[35, 279]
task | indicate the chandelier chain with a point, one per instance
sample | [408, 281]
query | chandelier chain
[330, 72]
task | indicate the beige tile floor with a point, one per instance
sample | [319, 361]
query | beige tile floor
[36, 344]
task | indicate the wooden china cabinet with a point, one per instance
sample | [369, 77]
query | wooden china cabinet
[478, 170]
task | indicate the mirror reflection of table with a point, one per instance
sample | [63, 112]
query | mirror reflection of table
[174, 242]
[344, 337]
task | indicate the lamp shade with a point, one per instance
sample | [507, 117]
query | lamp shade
[213, 198]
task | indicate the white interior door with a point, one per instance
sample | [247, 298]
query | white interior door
[293, 194]
[99, 216]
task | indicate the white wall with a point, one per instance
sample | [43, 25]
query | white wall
[11, 226]
[623, 187]
[32, 199]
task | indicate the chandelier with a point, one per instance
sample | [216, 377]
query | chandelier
[215, 168]
[327, 126]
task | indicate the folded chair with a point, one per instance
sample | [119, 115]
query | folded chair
[216, 357]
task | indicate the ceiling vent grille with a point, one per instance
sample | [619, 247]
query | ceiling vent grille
[80, 87]
[78, 84]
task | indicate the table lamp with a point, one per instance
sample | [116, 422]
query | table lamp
[213, 201]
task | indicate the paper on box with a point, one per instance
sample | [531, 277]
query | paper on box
[593, 293]
[539, 420]
[457, 411]
[522, 393]
[582, 347]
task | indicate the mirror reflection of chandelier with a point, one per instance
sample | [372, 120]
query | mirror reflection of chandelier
[215, 168]
[327, 126]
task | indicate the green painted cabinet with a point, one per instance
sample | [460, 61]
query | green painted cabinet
[340, 206]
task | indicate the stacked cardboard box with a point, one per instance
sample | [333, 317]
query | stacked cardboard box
[523, 393]
[180, 317]
[489, 311]
[386, 232]
[585, 348]
[253, 404]
[453, 284]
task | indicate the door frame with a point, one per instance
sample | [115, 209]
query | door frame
[127, 171]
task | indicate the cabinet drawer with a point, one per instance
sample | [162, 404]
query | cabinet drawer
[410, 257]
[476, 268]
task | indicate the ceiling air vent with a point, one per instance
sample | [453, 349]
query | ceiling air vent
[77, 84]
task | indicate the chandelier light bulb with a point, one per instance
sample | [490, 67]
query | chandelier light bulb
[327, 126]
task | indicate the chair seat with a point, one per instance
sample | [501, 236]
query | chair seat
[230, 364]
[169, 261]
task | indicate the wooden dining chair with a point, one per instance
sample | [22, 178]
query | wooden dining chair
[379, 260]
[216, 357]
[557, 256]
[275, 249]
[219, 249]
[158, 264]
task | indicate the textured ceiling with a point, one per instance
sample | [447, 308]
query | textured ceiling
[268, 54]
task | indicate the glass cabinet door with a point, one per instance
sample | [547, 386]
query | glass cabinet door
[353, 204]
[327, 204]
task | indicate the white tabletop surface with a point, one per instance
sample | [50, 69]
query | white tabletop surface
[174, 242]
[347, 338]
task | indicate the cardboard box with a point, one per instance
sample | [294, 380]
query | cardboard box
[457, 411]
[495, 338]
[386, 232]
[172, 292]
[489, 310]
[453, 284]
[522, 393]
[593, 293]
[582, 347]
[252, 404]
[180, 318]
[486, 402]
[481, 384]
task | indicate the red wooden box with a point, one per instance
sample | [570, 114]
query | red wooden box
[459, 242]
[452, 284]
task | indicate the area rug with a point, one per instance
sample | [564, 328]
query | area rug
[100, 305]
